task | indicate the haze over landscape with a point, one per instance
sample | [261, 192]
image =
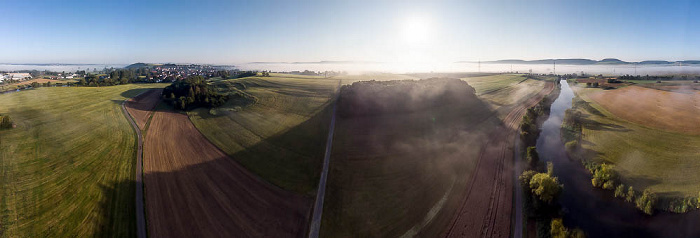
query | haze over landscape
[215, 118]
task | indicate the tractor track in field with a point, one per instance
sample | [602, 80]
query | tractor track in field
[487, 213]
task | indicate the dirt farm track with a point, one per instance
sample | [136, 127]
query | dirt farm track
[193, 189]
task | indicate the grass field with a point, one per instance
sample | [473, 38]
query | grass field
[402, 173]
[505, 91]
[66, 170]
[644, 155]
[281, 136]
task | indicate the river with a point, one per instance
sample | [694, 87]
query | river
[594, 210]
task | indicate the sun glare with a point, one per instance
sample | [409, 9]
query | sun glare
[416, 30]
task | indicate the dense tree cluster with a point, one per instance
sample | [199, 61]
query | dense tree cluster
[193, 92]
[403, 96]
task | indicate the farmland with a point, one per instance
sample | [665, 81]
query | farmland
[503, 92]
[193, 189]
[141, 107]
[397, 172]
[280, 135]
[68, 166]
[650, 135]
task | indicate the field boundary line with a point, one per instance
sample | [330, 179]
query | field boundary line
[315, 228]
[321, 194]
[140, 211]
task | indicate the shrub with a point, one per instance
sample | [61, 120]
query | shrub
[630, 194]
[620, 191]
[525, 178]
[557, 229]
[647, 201]
[604, 177]
[545, 187]
[5, 122]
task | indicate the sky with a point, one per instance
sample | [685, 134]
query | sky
[230, 32]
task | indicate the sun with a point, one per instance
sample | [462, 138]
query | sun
[416, 30]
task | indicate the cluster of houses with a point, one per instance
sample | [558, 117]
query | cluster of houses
[15, 76]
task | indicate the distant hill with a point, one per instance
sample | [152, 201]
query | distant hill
[612, 61]
[138, 65]
[655, 62]
[606, 61]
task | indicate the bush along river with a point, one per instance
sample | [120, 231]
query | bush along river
[596, 211]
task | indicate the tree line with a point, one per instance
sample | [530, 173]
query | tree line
[541, 189]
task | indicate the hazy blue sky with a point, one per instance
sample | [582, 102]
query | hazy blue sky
[245, 31]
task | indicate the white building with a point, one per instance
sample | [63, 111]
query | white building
[18, 76]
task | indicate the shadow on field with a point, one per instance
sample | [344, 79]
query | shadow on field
[291, 159]
[117, 210]
[217, 199]
[133, 92]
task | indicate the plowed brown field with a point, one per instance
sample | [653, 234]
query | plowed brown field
[141, 106]
[670, 111]
[486, 209]
[194, 190]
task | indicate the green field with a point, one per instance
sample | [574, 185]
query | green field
[282, 136]
[665, 162]
[67, 168]
[504, 91]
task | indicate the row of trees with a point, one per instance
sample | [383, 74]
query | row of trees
[193, 92]
[540, 187]
[533, 118]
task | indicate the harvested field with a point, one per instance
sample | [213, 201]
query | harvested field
[645, 157]
[486, 208]
[665, 110]
[141, 107]
[193, 189]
